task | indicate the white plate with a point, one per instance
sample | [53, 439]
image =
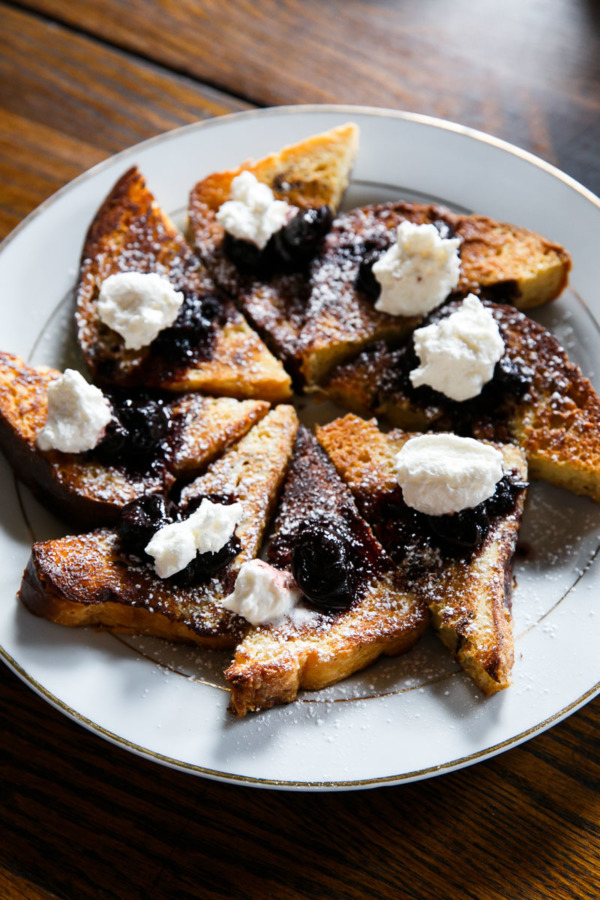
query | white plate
[403, 719]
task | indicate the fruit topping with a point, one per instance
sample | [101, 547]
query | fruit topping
[137, 427]
[141, 519]
[192, 329]
[298, 241]
[322, 564]
[365, 280]
[289, 249]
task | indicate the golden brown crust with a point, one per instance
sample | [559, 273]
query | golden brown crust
[318, 649]
[469, 598]
[87, 580]
[131, 233]
[87, 491]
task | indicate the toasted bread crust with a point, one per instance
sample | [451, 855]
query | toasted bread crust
[88, 580]
[274, 662]
[131, 233]
[469, 598]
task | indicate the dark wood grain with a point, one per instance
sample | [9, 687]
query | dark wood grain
[84, 819]
[87, 820]
[67, 101]
[527, 72]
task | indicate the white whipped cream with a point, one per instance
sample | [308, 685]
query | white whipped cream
[418, 272]
[78, 414]
[458, 354]
[441, 474]
[253, 214]
[262, 593]
[138, 306]
[206, 531]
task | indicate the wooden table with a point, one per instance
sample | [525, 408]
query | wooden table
[83, 819]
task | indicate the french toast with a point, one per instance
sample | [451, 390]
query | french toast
[89, 580]
[497, 259]
[555, 418]
[468, 591]
[316, 317]
[310, 174]
[86, 488]
[214, 351]
[313, 647]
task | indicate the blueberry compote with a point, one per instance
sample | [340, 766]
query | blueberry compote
[134, 436]
[401, 528]
[190, 338]
[290, 249]
[143, 517]
[323, 565]
[511, 380]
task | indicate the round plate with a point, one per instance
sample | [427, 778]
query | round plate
[403, 719]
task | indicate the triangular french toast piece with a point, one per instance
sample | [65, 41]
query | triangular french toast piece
[90, 580]
[496, 259]
[554, 418]
[84, 487]
[469, 592]
[315, 647]
[224, 357]
[312, 173]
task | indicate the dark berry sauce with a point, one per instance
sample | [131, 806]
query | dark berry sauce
[323, 565]
[289, 249]
[140, 423]
[511, 379]
[401, 528]
[141, 519]
[191, 336]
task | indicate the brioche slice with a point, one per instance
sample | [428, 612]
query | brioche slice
[312, 173]
[556, 421]
[497, 259]
[313, 648]
[89, 580]
[85, 489]
[469, 595]
[130, 233]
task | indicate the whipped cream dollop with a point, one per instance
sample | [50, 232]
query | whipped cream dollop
[442, 474]
[253, 214]
[138, 306]
[418, 272]
[262, 593]
[458, 354]
[207, 530]
[78, 414]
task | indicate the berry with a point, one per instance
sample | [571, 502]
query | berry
[322, 566]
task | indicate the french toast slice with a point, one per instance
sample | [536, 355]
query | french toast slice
[313, 648]
[130, 233]
[89, 580]
[84, 488]
[468, 595]
[497, 259]
[556, 421]
[312, 173]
